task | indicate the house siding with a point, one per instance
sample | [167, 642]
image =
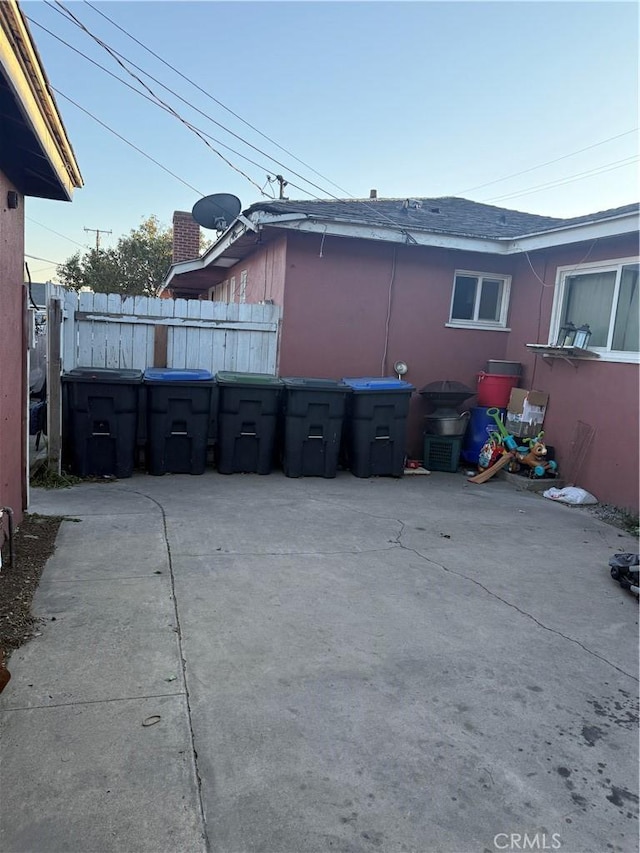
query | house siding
[12, 354]
[265, 269]
[603, 395]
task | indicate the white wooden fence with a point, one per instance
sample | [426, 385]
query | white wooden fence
[109, 330]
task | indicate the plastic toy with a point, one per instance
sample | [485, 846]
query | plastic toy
[534, 457]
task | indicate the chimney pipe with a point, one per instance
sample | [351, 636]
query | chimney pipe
[373, 194]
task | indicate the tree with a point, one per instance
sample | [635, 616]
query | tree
[136, 266]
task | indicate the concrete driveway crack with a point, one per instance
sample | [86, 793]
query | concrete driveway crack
[512, 606]
[205, 835]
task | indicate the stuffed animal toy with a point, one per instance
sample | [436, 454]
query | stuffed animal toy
[534, 457]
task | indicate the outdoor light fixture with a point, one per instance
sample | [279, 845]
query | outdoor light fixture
[400, 368]
[567, 335]
[582, 336]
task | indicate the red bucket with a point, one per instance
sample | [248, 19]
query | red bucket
[494, 389]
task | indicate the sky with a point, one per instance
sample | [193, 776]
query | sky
[414, 99]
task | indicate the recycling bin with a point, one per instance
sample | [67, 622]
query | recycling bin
[313, 412]
[100, 420]
[376, 426]
[181, 419]
[248, 409]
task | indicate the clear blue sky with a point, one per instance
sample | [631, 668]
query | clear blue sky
[412, 98]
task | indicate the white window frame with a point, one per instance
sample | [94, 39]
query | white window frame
[243, 286]
[562, 274]
[501, 324]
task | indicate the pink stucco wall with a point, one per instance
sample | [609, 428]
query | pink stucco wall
[602, 394]
[335, 315]
[12, 353]
[335, 297]
[265, 270]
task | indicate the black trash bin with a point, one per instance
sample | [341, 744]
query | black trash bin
[182, 407]
[248, 408]
[100, 420]
[376, 426]
[313, 413]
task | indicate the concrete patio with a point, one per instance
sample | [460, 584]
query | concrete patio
[337, 665]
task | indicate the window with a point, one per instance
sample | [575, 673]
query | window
[479, 300]
[604, 295]
[243, 286]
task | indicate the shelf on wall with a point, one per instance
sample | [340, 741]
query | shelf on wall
[568, 354]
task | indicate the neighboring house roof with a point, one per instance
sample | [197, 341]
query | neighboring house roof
[35, 154]
[445, 215]
[446, 222]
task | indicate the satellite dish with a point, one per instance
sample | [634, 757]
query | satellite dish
[216, 211]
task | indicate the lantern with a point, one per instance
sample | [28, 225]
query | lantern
[582, 336]
[567, 335]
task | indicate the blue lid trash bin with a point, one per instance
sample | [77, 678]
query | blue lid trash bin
[313, 412]
[376, 425]
[248, 410]
[181, 415]
[100, 417]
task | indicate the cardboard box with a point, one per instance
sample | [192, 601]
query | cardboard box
[525, 412]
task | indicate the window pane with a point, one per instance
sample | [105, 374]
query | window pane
[490, 300]
[625, 331]
[464, 295]
[588, 299]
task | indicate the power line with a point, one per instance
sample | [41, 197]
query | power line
[113, 52]
[127, 142]
[605, 167]
[44, 260]
[156, 101]
[547, 163]
[70, 16]
[211, 97]
[57, 233]
[153, 100]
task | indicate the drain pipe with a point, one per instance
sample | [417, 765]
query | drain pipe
[12, 552]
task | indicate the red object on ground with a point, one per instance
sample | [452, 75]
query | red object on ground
[494, 389]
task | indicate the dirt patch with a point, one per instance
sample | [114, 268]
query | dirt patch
[616, 517]
[34, 544]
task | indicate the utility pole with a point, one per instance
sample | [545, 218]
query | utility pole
[98, 231]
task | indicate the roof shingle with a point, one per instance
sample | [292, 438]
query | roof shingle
[445, 215]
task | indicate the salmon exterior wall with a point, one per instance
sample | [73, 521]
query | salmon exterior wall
[12, 353]
[604, 395]
[265, 274]
[335, 296]
[335, 313]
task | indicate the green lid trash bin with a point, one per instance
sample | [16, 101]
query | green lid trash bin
[248, 409]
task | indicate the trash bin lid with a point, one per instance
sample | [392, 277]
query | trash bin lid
[230, 377]
[303, 383]
[176, 374]
[103, 374]
[378, 383]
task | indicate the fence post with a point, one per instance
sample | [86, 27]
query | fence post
[54, 388]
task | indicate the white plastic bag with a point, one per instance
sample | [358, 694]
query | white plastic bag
[571, 495]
